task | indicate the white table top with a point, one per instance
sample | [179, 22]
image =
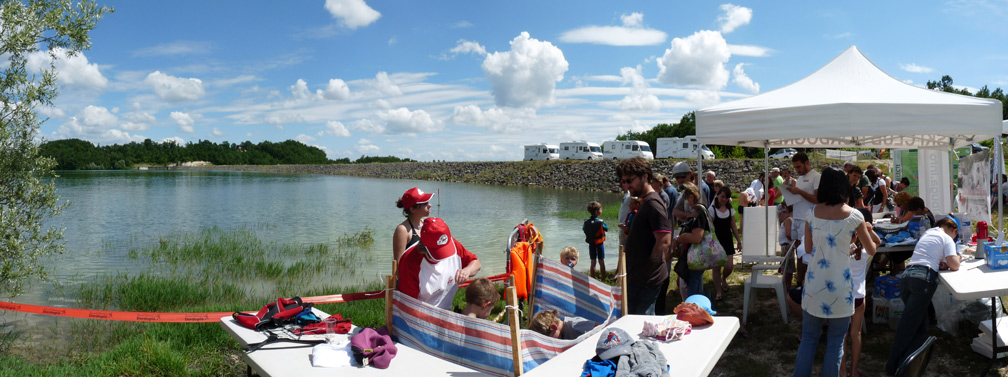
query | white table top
[293, 359]
[693, 355]
[975, 280]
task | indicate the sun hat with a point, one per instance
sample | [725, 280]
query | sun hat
[702, 301]
[415, 196]
[613, 343]
[436, 237]
[681, 168]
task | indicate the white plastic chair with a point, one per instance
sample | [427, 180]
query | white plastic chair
[759, 246]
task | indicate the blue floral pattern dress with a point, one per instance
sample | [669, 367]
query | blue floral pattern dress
[829, 288]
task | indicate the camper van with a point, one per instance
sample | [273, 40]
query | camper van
[580, 150]
[623, 149]
[681, 147]
[541, 152]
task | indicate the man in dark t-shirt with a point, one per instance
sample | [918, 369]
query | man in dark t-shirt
[649, 238]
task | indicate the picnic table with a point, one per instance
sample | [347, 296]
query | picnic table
[974, 280]
[693, 355]
[293, 359]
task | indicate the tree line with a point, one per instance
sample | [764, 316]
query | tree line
[76, 154]
[687, 124]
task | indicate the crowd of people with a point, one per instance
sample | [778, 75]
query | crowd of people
[825, 221]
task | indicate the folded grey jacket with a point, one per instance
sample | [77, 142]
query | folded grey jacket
[645, 361]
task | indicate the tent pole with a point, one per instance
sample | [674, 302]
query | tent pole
[766, 190]
[699, 172]
[1000, 162]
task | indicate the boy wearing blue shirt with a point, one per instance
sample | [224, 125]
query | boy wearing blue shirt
[594, 230]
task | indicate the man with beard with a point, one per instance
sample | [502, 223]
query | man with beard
[649, 238]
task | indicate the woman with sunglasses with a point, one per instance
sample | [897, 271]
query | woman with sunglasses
[415, 206]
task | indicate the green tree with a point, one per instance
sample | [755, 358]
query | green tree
[27, 190]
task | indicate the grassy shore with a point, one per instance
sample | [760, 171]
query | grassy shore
[203, 273]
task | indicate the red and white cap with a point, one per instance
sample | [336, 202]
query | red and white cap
[415, 196]
[437, 238]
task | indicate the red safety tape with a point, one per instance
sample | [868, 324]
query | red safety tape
[111, 315]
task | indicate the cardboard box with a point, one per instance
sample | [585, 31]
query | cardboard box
[880, 310]
[887, 286]
[996, 256]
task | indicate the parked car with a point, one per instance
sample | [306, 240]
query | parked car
[784, 153]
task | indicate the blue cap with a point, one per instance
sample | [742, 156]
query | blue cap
[702, 301]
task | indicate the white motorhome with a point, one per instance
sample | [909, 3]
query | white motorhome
[681, 147]
[580, 150]
[623, 149]
[542, 152]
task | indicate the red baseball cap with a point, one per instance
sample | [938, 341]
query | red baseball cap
[436, 237]
[415, 196]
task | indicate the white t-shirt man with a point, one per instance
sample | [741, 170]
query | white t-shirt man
[808, 182]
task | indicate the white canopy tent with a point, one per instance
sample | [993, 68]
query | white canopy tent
[847, 103]
[851, 103]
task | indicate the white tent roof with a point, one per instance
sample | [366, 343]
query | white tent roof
[850, 103]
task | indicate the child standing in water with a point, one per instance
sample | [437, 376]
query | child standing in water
[594, 229]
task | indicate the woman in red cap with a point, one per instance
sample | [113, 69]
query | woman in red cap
[415, 206]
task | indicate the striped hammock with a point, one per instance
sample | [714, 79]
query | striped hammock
[486, 346]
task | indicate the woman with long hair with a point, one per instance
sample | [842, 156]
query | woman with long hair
[415, 206]
[723, 217]
[828, 297]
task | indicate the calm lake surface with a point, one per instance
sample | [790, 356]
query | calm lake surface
[113, 211]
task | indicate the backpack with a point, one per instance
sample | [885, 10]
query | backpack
[275, 314]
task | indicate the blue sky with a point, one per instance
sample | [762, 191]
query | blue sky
[475, 80]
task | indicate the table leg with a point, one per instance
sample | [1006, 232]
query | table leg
[994, 340]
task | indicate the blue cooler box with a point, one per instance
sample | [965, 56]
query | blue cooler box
[996, 256]
[887, 286]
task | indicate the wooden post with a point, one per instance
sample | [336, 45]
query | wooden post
[390, 285]
[532, 284]
[621, 280]
[512, 300]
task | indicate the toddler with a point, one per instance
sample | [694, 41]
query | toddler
[569, 256]
[595, 229]
[548, 322]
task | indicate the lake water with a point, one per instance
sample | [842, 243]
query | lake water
[113, 211]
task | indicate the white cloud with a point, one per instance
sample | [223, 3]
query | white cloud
[845, 35]
[468, 47]
[304, 139]
[632, 33]
[184, 121]
[174, 89]
[178, 140]
[70, 70]
[392, 41]
[216, 132]
[743, 81]
[748, 50]
[50, 112]
[353, 13]
[914, 68]
[495, 118]
[527, 74]
[733, 16]
[402, 120]
[462, 25]
[99, 117]
[175, 49]
[696, 61]
[364, 146]
[114, 136]
[368, 125]
[336, 128]
[336, 89]
[639, 97]
[300, 90]
[702, 98]
[383, 84]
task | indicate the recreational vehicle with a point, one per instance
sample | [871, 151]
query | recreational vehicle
[542, 152]
[623, 149]
[580, 150]
[681, 147]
